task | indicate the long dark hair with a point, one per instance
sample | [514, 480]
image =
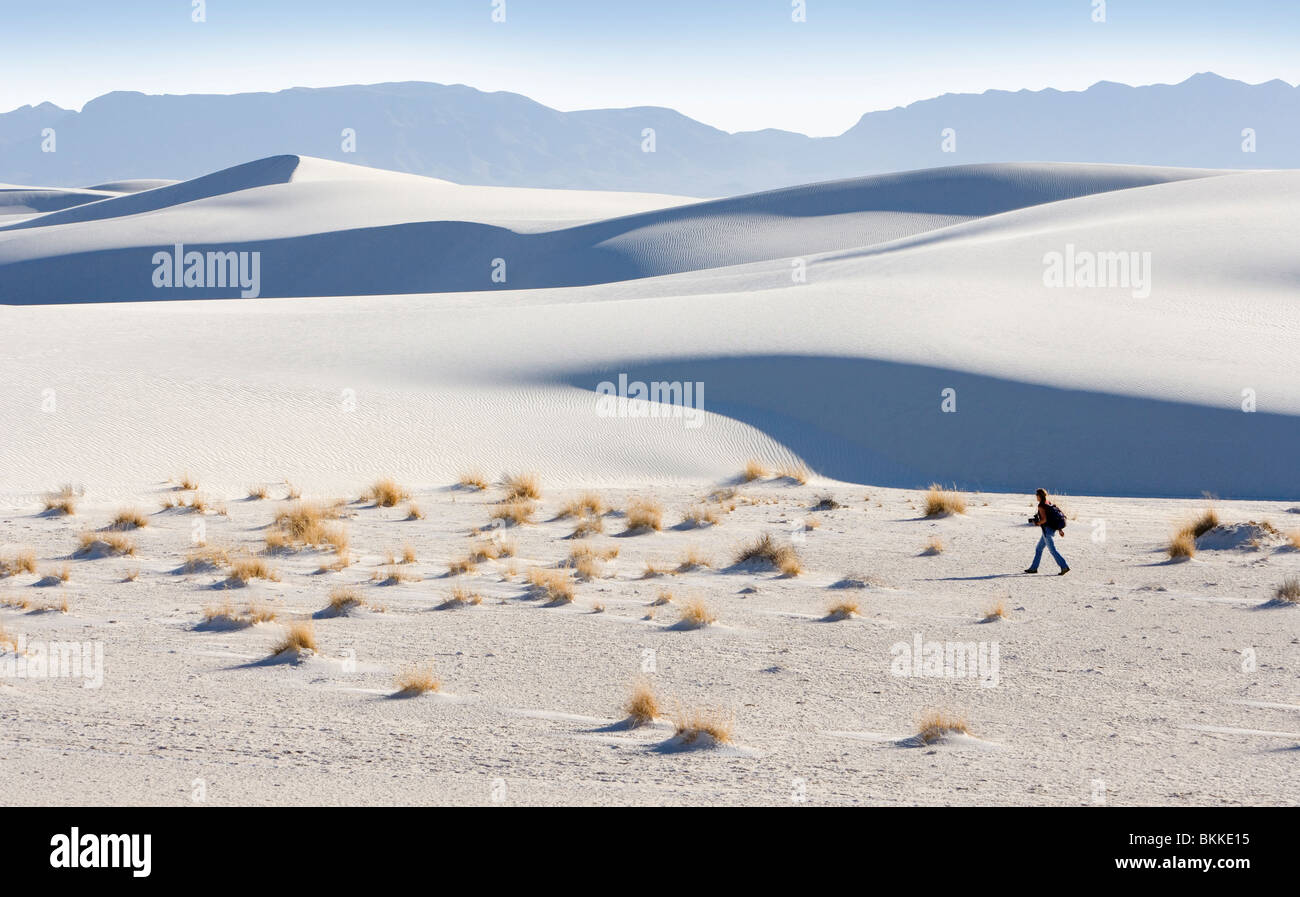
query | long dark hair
[1042, 495]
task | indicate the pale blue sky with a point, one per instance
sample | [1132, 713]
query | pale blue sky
[735, 64]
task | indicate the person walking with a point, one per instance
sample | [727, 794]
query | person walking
[1051, 521]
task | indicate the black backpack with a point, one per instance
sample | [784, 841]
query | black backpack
[1055, 517]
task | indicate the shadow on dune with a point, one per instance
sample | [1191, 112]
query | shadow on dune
[869, 421]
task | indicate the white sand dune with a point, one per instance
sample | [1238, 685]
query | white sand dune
[1091, 390]
[327, 229]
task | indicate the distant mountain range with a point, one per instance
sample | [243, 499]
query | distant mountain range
[471, 137]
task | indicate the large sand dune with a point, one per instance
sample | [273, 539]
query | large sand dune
[914, 284]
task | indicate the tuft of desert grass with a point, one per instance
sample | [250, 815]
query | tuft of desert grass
[1289, 590]
[462, 566]
[553, 585]
[940, 502]
[691, 725]
[996, 611]
[385, 493]
[187, 483]
[933, 547]
[522, 485]
[796, 472]
[257, 492]
[343, 599]
[935, 724]
[766, 551]
[291, 492]
[64, 501]
[472, 479]
[842, 610]
[1182, 545]
[109, 543]
[693, 559]
[665, 596]
[248, 568]
[642, 704]
[701, 515]
[391, 576]
[307, 524]
[1293, 539]
[754, 470]
[515, 512]
[652, 570]
[1208, 520]
[417, 680]
[129, 518]
[408, 554]
[7, 641]
[644, 515]
[588, 526]
[23, 561]
[413, 511]
[300, 636]
[131, 575]
[461, 597]
[588, 504]
[696, 613]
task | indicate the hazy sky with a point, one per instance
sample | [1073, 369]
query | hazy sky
[735, 64]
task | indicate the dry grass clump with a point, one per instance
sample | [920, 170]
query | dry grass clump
[1208, 520]
[131, 575]
[1289, 590]
[461, 597]
[933, 547]
[796, 472]
[588, 504]
[307, 524]
[1182, 545]
[59, 574]
[642, 705]
[385, 493]
[257, 492]
[248, 568]
[344, 599]
[767, 552]
[225, 614]
[665, 596]
[7, 641]
[23, 561]
[588, 526]
[693, 559]
[692, 725]
[936, 724]
[491, 550]
[644, 515]
[299, 637]
[291, 492]
[522, 485]
[842, 610]
[701, 515]
[586, 561]
[417, 680]
[472, 479]
[392, 575]
[515, 512]
[553, 585]
[413, 511]
[64, 501]
[652, 569]
[462, 566]
[940, 502]
[407, 556]
[997, 611]
[187, 483]
[128, 518]
[754, 470]
[104, 544]
[696, 613]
